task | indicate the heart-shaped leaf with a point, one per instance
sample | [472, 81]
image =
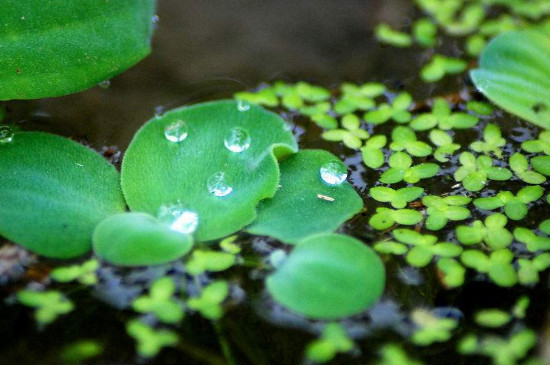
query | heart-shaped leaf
[514, 75]
[328, 276]
[217, 159]
[54, 193]
[60, 47]
[137, 239]
[306, 204]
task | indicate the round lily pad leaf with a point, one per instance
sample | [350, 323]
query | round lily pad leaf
[60, 47]
[328, 276]
[514, 75]
[305, 204]
[217, 159]
[138, 239]
[54, 193]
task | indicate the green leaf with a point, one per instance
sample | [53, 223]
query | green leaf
[334, 339]
[419, 256]
[200, 172]
[439, 66]
[390, 247]
[407, 217]
[54, 193]
[541, 164]
[328, 276]
[208, 303]
[385, 218]
[138, 239]
[85, 273]
[425, 32]
[380, 115]
[213, 261]
[469, 235]
[399, 198]
[57, 48]
[372, 151]
[453, 272]
[492, 318]
[149, 340]
[385, 34]
[372, 157]
[306, 204]
[49, 304]
[513, 74]
[519, 164]
[160, 302]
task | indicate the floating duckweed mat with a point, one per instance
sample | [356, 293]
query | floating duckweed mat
[455, 201]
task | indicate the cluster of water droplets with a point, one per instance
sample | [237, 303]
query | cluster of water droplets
[6, 134]
[333, 173]
[179, 218]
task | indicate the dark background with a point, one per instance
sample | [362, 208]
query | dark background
[210, 49]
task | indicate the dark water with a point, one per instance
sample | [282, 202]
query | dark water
[206, 50]
[209, 49]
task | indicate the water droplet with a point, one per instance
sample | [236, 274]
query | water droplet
[159, 111]
[179, 218]
[105, 84]
[243, 106]
[237, 141]
[333, 173]
[176, 132]
[6, 134]
[217, 185]
[277, 257]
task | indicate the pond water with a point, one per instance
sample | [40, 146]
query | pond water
[210, 50]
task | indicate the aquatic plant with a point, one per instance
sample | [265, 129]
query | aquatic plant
[81, 44]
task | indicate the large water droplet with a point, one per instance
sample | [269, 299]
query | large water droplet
[217, 185]
[333, 173]
[6, 134]
[179, 218]
[105, 84]
[176, 132]
[243, 106]
[237, 141]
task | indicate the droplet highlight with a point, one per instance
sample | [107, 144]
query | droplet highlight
[243, 106]
[176, 132]
[105, 84]
[218, 186]
[333, 173]
[6, 134]
[238, 140]
[179, 218]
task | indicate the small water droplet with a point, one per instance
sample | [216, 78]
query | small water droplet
[105, 84]
[217, 185]
[6, 134]
[179, 218]
[237, 141]
[277, 257]
[243, 106]
[176, 132]
[159, 111]
[333, 173]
